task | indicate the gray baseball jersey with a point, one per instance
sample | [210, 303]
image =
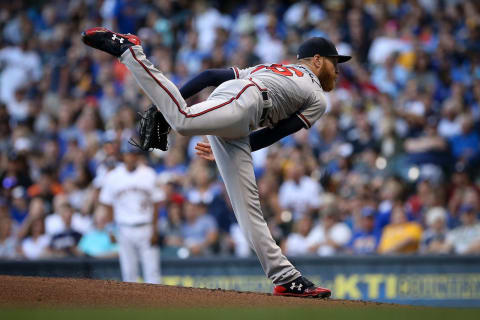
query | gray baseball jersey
[293, 88]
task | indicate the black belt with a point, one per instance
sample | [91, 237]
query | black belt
[265, 110]
[134, 225]
[264, 93]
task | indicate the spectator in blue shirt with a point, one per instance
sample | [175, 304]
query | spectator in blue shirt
[366, 239]
[98, 242]
[64, 243]
[199, 231]
[466, 146]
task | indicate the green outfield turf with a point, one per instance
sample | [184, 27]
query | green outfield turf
[369, 312]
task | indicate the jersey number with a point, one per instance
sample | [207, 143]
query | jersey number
[280, 69]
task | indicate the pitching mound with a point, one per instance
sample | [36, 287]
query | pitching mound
[61, 292]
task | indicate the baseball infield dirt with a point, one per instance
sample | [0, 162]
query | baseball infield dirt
[62, 292]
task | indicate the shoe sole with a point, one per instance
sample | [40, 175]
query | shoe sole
[130, 38]
[324, 295]
[89, 32]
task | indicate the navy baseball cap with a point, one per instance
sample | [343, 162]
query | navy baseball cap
[109, 137]
[321, 46]
[368, 212]
[466, 208]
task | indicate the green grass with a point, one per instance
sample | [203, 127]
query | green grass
[330, 313]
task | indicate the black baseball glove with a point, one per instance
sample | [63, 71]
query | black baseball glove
[153, 130]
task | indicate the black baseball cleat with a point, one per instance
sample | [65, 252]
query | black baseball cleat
[301, 287]
[109, 41]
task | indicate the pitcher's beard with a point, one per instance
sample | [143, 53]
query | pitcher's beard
[327, 81]
[326, 78]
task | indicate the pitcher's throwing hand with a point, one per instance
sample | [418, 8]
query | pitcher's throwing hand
[204, 150]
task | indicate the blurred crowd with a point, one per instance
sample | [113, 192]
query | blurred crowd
[392, 168]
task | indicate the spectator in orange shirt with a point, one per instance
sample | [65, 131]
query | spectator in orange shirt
[46, 187]
[400, 236]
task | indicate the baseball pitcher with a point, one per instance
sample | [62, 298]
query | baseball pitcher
[279, 99]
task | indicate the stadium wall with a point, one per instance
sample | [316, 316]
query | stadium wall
[418, 280]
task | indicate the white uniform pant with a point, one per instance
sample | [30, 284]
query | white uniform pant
[134, 248]
[234, 161]
[227, 116]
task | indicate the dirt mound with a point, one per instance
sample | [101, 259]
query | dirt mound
[55, 292]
